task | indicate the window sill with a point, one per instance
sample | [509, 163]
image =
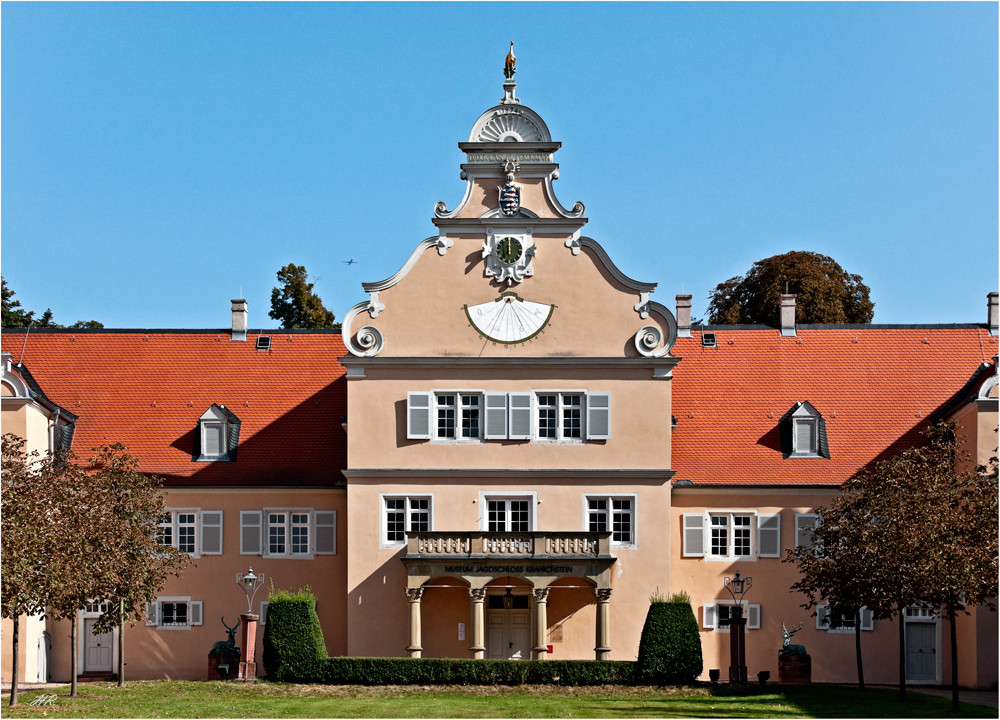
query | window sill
[731, 558]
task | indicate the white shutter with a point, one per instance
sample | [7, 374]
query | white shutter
[598, 416]
[805, 436]
[418, 415]
[769, 535]
[211, 532]
[708, 616]
[250, 532]
[804, 524]
[325, 523]
[263, 613]
[213, 435]
[520, 416]
[822, 617]
[153, 613]
[496, 416]
[694, 535]
[194, 612]
[867, 619]
[753, 617]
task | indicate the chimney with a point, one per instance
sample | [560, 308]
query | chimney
[684, 316]
[239, 320]
[787, 316]
[993, 313]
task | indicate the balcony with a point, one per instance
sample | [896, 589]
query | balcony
[519, 545]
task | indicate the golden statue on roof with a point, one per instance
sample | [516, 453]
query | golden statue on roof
[508, 65]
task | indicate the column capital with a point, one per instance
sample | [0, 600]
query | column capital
[414, 594]
[541, 594]
[477, 594]
[603, 594]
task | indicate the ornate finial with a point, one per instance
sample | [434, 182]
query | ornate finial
[508, 66]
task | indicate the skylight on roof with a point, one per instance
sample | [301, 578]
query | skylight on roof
[708, 339]
[263, 342]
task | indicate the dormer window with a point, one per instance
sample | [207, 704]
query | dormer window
[218, 435]
[804, 432]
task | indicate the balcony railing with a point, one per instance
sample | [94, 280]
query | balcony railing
[509, 545]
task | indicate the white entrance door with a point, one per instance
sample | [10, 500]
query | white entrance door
[921, 652]
[507, 634]
[97, 648]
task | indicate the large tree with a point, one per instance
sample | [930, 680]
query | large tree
[21, 541]
[959, 532]
[73, 534]
[132, 567]
[917, 527]
[825, 292]
[295, 304]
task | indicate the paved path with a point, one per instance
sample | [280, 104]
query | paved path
[976, 697]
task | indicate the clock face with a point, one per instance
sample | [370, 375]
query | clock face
[509, 319]
[509, 250]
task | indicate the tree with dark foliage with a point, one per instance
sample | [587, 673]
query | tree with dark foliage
[917, 528]
[295, 304]
[825, 292]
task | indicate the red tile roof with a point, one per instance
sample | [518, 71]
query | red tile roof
[875, 387]
[147, 389]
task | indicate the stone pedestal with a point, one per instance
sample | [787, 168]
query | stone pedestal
[216, 659]
[248, 664]
[794, 668]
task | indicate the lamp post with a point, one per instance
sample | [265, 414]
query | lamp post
[737, 587]
[249, 584]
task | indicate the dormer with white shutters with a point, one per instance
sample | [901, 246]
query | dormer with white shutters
[218, 435]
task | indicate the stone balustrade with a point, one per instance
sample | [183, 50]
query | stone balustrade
[508, 545]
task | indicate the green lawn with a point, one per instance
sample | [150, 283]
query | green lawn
[272, 700]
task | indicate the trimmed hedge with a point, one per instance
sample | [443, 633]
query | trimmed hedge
[433, 671]
[670, 644]
[293, 638]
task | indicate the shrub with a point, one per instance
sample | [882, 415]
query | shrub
[433, 671]
[293, 638]
[670, 645]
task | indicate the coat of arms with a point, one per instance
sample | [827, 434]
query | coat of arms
[510, 199]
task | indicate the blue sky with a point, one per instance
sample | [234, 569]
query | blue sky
[158, 158]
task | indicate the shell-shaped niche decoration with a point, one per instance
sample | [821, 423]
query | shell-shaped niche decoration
[649, 342]
[509, 128]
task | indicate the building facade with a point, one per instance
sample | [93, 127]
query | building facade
[508, 450]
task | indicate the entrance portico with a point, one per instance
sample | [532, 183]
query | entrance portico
[487, 561]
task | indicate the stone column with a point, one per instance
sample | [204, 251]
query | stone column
[478, 649]
[248, 663]
[602, 650]
[414, 594]
[541, 649]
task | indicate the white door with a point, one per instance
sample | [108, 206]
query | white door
[97, 648]
[507, 634]
[921, 652]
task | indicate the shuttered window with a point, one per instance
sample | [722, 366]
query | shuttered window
[598, 416]
[769, 535]
[842, 619]
[496, 416]
[250, 532]
[211, 532]
[418, 415]
[694, 534]
[716, 616]
[805, 523]
[326, 532]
